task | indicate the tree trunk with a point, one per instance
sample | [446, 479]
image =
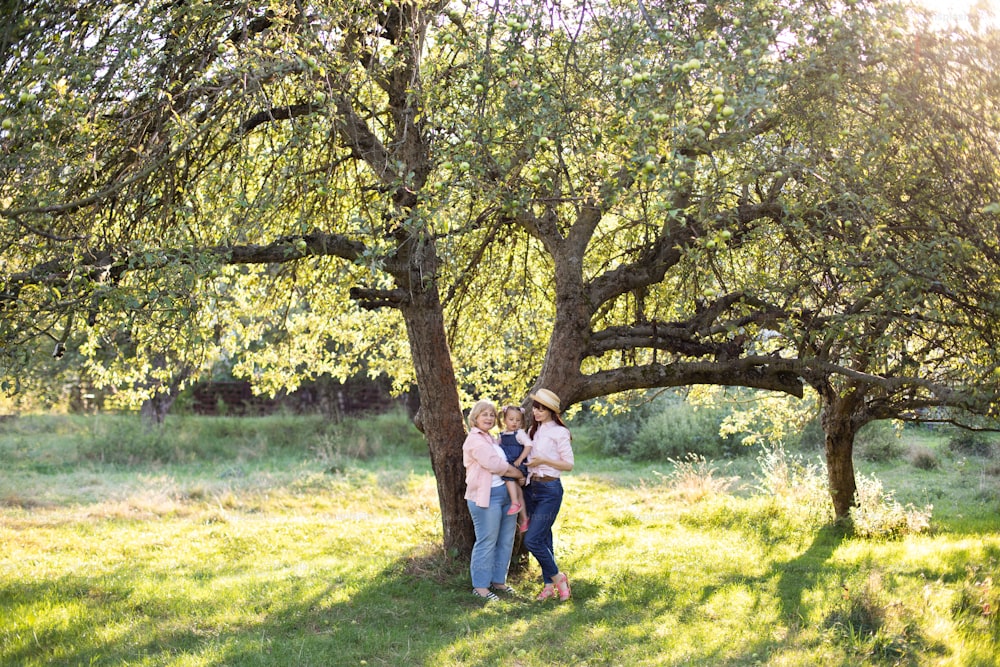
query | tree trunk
[154, 409]
[440, 416]
[840, 427]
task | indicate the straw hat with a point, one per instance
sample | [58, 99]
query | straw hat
[546, 398]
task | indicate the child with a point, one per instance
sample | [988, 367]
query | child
[516, 446]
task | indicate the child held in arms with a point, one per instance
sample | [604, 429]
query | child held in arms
[516, 446]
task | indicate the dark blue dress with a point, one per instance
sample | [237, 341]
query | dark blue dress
[512, 449]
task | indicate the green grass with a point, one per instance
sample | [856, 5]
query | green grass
[287, 541]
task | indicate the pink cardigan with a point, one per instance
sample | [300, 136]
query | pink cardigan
[482, 461]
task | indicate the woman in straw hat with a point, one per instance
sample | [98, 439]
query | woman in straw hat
[551, 455]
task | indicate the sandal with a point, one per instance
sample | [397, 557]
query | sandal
[547, 592]
[489, 597]
[562, 586]
[523, 527]
[514, 509]
[506, 591]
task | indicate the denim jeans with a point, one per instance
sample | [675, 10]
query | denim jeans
[494, 539]
[543, 500]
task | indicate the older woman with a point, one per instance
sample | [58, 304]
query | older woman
[488, 500]
[551, 456]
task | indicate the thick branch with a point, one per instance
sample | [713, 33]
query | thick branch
[279, 113]
[373, 299]
[736, 373]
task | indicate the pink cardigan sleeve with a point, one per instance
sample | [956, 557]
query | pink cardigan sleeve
[482, 461]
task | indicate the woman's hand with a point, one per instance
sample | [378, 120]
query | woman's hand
[558, 464]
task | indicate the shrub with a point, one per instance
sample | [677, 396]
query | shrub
[693, 479]
[680, 429]
[923, 458]
[878, 515]
[613, 434]
[795, 483]
[879, 441]
[970, 443]
[810, 438]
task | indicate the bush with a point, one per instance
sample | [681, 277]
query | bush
[878, 515]
[680, 429]
[970, 443]
[612, 434]
[879, 441]
[810, 439]
[795, 483]
[923, 458]
[693, 479]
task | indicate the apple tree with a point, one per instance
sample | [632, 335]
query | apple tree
[466, 196]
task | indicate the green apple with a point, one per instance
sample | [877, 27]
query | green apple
[8, 123]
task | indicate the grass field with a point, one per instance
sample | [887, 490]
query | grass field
[287, 541]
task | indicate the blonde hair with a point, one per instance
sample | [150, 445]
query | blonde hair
[481, 406]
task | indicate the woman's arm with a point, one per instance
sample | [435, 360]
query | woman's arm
[558, 464]
[564, 453]
[486, 456]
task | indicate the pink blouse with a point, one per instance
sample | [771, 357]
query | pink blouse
[482, 461]
[551, 441]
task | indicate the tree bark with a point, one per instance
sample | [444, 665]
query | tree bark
[840, 426]
[154, 409]
[440, 416]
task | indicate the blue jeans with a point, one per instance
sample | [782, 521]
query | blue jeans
[543, 500]
[494, 539]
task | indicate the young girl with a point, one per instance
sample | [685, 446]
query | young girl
[516, 446]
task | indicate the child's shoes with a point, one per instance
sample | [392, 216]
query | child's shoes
[514, 508]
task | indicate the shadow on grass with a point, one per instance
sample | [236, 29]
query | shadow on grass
[416, 610]
[411, 612]
[802, 573]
